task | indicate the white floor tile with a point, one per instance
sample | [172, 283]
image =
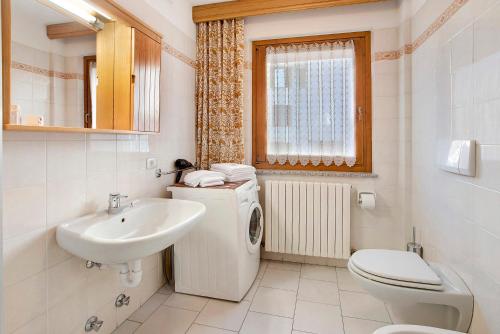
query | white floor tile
[262, 269]
[318, 292]
[363, 306]
[166, 290]
[187, 302]
[274, 301]
[145, 311]
[128, 327]
[281, 279]
[346, 282]
[168, 320]
[200, 329]
[259, 323]
[320, 273]
[284, 265]
[318, 318]
[223, 314]
[253, 289]
[361, 326]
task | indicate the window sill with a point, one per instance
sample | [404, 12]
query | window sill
[315, 173]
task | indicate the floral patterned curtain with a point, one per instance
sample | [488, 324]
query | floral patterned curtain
[219, 92]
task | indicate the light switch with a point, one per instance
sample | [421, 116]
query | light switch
[151, 163]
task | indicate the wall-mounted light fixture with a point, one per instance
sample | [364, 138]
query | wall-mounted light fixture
[80, 10]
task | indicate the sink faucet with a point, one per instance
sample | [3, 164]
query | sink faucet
[114, 203]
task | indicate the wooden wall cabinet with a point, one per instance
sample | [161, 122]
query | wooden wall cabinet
[129, 80]
[146, 83]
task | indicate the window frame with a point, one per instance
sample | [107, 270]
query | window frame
[363, 104]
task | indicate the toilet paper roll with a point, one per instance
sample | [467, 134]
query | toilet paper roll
[367, 201]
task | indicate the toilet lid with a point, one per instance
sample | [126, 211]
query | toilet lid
[395, 265]
[393, 282]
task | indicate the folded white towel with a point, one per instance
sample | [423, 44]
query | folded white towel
[204, 183]
[239, 178]
[193, 179]
[231, 168]
[211, 179]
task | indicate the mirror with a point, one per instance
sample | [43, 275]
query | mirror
[75, 65]
[50, 52]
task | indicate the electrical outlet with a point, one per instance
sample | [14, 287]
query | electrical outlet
[151, 163]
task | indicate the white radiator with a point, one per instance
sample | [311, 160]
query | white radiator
[308, 218]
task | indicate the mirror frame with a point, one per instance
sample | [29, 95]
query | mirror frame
[111, 8]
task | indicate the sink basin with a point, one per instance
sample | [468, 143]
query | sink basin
[148, 227]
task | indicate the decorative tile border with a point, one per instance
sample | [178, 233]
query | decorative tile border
[439, 22]
[387, 55]
[178, 54]
[435, 26]
[314, 173]
[48, 73]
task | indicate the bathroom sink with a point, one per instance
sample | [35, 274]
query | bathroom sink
[147, 227]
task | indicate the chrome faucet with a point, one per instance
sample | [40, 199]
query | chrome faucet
[114, 206]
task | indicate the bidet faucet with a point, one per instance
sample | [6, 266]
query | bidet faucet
[114, 203]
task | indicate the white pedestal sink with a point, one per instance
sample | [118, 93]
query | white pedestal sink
[122, 239]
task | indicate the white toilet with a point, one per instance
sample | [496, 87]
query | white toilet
[415, 292]
[412, 329]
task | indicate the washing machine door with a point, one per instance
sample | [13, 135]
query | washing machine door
[254, 227]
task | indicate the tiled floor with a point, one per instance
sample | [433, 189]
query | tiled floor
[285, 298]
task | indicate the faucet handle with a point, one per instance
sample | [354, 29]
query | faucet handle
[114, 200]
[117, 195]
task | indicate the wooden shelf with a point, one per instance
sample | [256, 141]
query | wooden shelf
[28, 128]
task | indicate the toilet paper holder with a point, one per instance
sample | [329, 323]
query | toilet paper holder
[365, 193]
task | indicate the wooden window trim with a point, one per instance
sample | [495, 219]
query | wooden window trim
[362, 41]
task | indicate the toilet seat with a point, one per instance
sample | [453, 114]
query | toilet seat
[397, 268]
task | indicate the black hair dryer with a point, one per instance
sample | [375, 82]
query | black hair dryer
[181, 165]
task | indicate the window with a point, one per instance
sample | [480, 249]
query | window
[312, 103]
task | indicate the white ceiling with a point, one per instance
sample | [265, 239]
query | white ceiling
[204, 2]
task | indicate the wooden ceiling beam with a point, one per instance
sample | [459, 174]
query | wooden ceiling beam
[243, 8]
[67, 30]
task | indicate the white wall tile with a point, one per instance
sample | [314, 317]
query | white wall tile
[36, 326]
[65, 199]
[17, 220]
[69, 314]
[66, 279]
[24, 302]
[55, 254]
[65, 160]
[455, 212]
[24, 256]
[20, 160]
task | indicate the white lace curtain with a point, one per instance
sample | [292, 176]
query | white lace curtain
[310, 103]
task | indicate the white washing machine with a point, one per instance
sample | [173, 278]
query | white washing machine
[220, 257]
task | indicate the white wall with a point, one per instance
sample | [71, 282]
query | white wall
[52, 177]
[384, 226]
[456, 95]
